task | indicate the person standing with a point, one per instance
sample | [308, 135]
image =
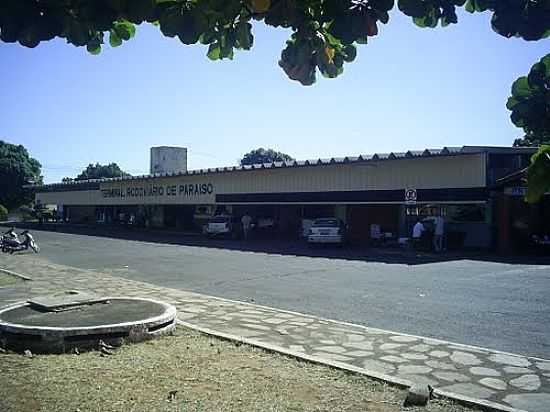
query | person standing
[418, 230]
[439, 231]
[246, 221]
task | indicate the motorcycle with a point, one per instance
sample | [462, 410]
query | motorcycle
[11, 243]
[9, 237]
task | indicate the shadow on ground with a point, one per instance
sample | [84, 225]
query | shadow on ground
[285, 246]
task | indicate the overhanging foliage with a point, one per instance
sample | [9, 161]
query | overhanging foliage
[530, 104]
[538, 175]
[325, 32]
[530, 107]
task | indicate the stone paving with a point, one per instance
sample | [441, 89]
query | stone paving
[491, 378]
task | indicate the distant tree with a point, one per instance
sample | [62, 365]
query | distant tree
[99, 171]
[17, 169]
[67, 180]
[3, 213]
[262, 155]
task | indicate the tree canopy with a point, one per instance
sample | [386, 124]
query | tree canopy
[99, 171]
[324, 32]
[262, 155]
[530, 104]
[17, 169]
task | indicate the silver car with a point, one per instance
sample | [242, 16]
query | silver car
[327, 230]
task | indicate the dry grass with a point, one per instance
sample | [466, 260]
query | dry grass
[208, 375]
[6, 279]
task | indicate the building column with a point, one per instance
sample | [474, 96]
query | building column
[340, 211]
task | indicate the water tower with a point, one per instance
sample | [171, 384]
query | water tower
[168, 159]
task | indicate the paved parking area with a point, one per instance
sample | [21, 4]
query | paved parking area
[493, 304]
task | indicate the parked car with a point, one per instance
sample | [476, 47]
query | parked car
[222, 226]
[327, 230]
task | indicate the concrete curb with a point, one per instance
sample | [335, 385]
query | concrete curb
[393, 380]
[17, 275]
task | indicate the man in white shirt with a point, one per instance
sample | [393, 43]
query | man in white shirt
[418, 229]
[439, 231]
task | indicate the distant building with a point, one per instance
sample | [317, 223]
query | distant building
[387, 190]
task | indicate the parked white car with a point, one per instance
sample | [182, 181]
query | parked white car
[221, 225]
[327, 230]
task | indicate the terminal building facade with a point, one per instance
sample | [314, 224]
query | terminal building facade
[387, 190]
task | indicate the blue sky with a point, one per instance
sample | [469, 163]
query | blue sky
[409, 88]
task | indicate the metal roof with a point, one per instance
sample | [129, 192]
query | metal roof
[411, 154]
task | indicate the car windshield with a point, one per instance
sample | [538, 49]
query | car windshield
[326, 223]
[219, 219]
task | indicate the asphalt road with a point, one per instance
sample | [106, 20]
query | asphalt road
[502, 306]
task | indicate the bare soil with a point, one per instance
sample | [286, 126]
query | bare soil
[190, 372]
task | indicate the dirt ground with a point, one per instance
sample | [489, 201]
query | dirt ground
[189, 372]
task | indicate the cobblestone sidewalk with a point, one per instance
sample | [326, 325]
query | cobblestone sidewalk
[495, 379]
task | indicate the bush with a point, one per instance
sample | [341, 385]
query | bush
[3, 213]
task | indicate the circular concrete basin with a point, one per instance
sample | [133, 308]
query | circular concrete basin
[113, 321]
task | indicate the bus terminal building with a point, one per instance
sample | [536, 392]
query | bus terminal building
[387, 190]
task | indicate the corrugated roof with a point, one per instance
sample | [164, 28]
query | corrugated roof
[445, 151]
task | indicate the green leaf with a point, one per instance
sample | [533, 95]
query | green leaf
[170, 21]
[78, 33]
[538, 175]
[244, 35]
[521, 88]
[511, 103]
[383, 5]
[412, 8]
[125, 30]
[383, 16]
[114, 40]
[29, 38]
[473, 6]
[426, 21]
[214, 51]
[546, 62]
[93, 48]
[350, 52]
[537, 76]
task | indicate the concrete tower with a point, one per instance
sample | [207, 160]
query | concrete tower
[168, 159]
